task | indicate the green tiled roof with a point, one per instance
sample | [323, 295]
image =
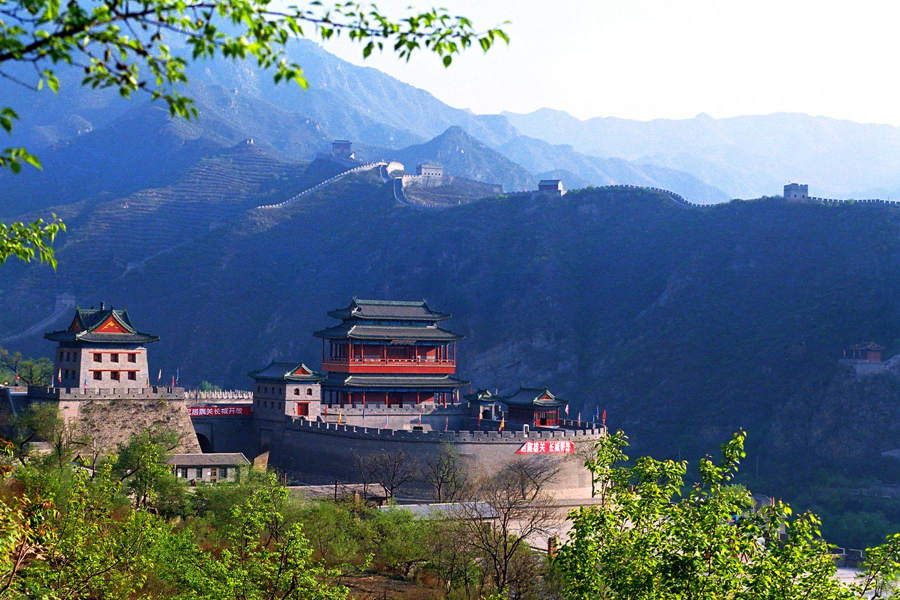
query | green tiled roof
[533, 397]
[386, 310]
[88, 320]
[358, 331]
[423, 382]
[286, 371]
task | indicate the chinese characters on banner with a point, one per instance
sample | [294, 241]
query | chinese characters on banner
[551, 447]
[217, 411]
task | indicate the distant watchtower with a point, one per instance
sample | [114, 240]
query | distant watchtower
[101, 349]
[342, 149]
[796, 192]
[551, 186]
[430, 170]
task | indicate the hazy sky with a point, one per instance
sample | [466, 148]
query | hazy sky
[659, 58]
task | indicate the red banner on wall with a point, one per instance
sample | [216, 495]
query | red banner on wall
[551, 447]
[218, 411]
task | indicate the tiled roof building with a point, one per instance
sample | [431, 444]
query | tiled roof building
[101, 349]
[389, 352]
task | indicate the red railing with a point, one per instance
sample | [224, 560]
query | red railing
[377, 360]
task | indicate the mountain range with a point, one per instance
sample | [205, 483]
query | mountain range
[683, 322]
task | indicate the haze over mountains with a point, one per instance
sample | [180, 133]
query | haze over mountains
[704, 159]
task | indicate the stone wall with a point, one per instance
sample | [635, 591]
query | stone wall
[322, 453]
[109, 422]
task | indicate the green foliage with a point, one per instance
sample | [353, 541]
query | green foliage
[652, 537]
[206, 386]
[141, 463]
[30, 371]
[265, 557]
[26, 241]
[73, 533]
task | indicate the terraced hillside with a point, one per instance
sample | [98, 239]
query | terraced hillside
[108, 239]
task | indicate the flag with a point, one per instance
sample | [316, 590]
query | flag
[340, 417]
[177, 375]
[59, 376]
[159, 376]
[596, 413]
[324, 410]
[387, 421]
[579, 417]
[85, 381]
[567, 410]
[446, 423]
[603, 422]
[173, 381]
[502, 422]
[364, 411]
[479, 417]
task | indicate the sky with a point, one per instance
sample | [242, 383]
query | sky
[646, 59]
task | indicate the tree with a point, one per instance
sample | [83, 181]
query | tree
[503, 512]
[43, 422]
[392, 469]
[445, 474]
[265, 558]
[30, 371]
[206, 386]
[141, 464]
[126, 45]
[650, 537]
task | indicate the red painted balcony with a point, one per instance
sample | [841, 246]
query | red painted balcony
[373, 364]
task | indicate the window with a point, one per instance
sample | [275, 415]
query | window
[296, 391]
[309, 391]
[132, 357]
[132, 375]
[98, 375]
[114, 357]
[98, 357]
[184, 472]
[114, 375]
[213, 474]
[223, 472]
[302, 409]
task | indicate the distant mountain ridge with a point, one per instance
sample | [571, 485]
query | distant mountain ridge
[382, 116]
[747, 156]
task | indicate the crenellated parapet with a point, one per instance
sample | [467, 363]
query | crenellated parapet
[586, 432]
[219, 395]
[79, 393]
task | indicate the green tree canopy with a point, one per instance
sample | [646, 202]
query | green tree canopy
[653, 537]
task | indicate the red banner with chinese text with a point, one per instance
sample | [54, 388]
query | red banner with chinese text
[218, 411]
[549, 447]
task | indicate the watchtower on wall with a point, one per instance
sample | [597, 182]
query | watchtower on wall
[430, 170]
[797, 192]
[342, 149]
[100, 349]
[551, 186]
[389, 353]
[286, 388]
[101, 384]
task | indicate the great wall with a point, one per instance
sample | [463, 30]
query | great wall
[388, 170]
